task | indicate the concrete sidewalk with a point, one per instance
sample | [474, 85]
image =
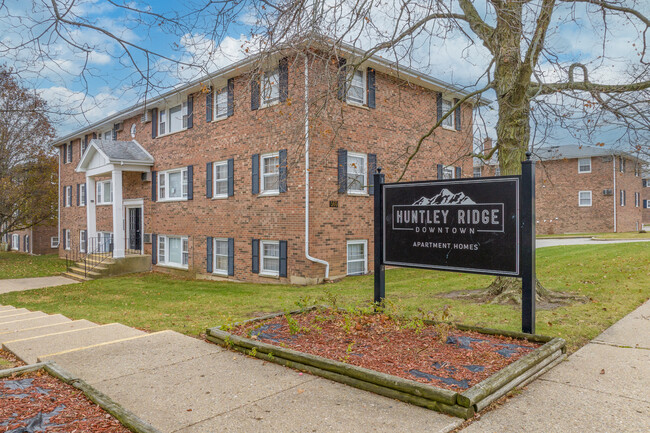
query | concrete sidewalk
[181, 384]
[20, 284]
[603, 387]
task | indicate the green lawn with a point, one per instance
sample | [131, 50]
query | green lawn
[621, 235]
[19, 265]
[615, 277]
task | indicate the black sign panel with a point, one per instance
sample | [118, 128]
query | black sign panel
[466, 225]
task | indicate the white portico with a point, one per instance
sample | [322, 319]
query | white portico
[111, 157]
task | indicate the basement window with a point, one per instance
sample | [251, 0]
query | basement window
[357, 257]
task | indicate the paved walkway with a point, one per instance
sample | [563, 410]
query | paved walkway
[603, 387]
[20, 284]
[181, 384]
[541, 243]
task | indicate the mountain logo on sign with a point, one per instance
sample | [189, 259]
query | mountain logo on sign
[444, 197]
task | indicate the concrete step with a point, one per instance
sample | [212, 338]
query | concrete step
[75, 277]
[96, 268]
[47, 330]
[6, 308]
[81, 272]
[20, 325]
[30, 350]
[21, 316]
[116, 359]
[14, 312]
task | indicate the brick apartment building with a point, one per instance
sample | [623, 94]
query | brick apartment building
[258, 174]
[40, 239]
[583, 189]
[645, 201]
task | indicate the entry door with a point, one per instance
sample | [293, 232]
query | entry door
[135, 228]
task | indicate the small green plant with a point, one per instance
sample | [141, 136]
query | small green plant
[228, 342]
[348, 323]
[253, 351]
[348, 351]
[304, 302]
[294, 327]
[270, 356]
[331, 299]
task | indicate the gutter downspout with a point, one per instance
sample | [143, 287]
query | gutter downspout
[310, 258]
[58, 204]
[615, 195]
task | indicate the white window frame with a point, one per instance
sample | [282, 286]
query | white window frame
[215, 270]
[15, 239]
[266, 82]
[26, 243]
[621, 197]
[68, 196]
[83, 239]
[215, 195]
[365, 256]
[580, 161]
[83, 195]
[67, 242]
[448, 172]
[364, 186]
[264, 157]
[364, 87]
[497, 171]
[637, 199]
[163, 258]
[164, 184]
[54, 242]
[69, 153]
[106, 135]
[221, 93]
[480, 172]
[580, 199]
[263, 271]
[101, 187]
[165, 120]
[450, 121]
[101, 240]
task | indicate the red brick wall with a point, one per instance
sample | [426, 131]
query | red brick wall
[403, 114]
[39, 239]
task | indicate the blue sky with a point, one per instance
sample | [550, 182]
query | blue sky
[110, 83]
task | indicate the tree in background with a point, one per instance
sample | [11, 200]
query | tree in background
[28, 169]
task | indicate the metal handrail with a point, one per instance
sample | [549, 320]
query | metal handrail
[98, 250]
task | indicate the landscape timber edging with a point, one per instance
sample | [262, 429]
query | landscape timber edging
[127, 418]
[462, 405]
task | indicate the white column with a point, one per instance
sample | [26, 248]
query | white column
[91, 210]
[118, 214]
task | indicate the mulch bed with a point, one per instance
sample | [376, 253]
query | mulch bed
[37, 402]
[439, 355]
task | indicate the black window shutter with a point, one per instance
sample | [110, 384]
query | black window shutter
[343, 170]
[78, 196]
[190, 111]
[154, 123]
[65, 153]
[255, 93]
[283, 171]
[283, 65]
[283, 258]
[231, 177]
[115, 131]
[70, 152]
[231, 256]
[94, 135]
[154, 249]
[208, 180]
[459, 172]
[255, 171]
[209, 254]
[256, 256]
[439, 106]
[154, 179]
[457, 119]
[84, 146]
[372, 168]
[190, 182]
[70, 194]
[208, 106]
[231, 96]
[342, 79]
[370, 82]
[439, 171]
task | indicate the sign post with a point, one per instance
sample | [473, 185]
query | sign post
[473, 225]
[380, 275]
[528, 277]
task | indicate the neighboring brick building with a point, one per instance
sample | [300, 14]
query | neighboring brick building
[211, 178]
[645, 201]
[583, 189]
[41, 239]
